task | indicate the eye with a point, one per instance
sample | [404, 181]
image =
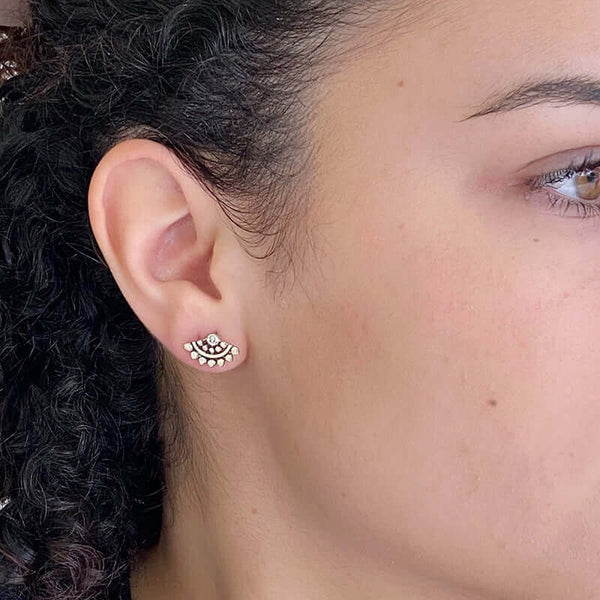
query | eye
[573, 191]
[583, 186]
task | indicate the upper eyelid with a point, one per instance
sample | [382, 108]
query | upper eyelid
[591, 160]
[543, 179]
[557, 161]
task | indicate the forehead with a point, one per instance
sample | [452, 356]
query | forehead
[455, 54]
[494, 40]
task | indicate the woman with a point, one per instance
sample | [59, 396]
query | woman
[301, 300]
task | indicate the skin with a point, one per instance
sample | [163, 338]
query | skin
[417, 416]
[10, 12]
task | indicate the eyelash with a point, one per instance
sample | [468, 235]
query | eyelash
[588, 163]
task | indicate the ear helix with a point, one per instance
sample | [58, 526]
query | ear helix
[211, 350]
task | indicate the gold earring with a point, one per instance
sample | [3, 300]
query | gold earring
[211, 350]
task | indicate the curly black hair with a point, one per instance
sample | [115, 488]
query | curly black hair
[85, 389]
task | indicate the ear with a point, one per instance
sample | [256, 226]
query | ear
[167, 244]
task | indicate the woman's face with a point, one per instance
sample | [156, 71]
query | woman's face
[434, 388]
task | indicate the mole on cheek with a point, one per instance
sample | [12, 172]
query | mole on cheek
[492, 402]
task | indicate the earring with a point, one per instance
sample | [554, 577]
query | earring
[211, 350]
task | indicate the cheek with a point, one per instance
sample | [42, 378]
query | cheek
[453, 400]
[494, 354]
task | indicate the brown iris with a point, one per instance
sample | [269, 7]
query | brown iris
[587, 184]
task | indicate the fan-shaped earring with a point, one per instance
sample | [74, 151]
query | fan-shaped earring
[211, 350]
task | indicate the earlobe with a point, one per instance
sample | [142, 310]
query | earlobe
[158, 229]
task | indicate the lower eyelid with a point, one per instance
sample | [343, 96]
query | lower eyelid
[541, 199]
[552, 202]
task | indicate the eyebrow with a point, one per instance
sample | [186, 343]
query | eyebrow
[564, 91]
